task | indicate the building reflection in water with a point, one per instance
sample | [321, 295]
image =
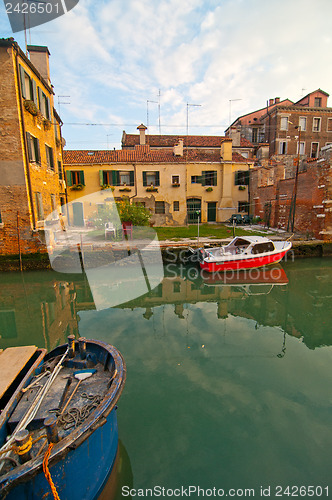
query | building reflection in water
[43, 309]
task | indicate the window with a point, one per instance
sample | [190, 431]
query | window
[159, 207]
[44, 104]
[316, 124]
[318, 102]
[196, 179]
[151, 178]
[302, 148]
[284, 123]
[282, 147]
[0, 217]
[176, 206]
[33, 148]
[263, 247]
[243, 206]
[28, 86]
[209, 178]
[49, 157]
[175, 179]
[254, 137]
[39, 206]
[75, 177]
[314, 149]
[62, 204]
[303, 123]
[242, 178]
[329, 125]
[116, 178]
[54, 206]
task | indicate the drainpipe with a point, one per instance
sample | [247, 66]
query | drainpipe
[26, 154]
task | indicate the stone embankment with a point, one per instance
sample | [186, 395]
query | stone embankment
[172, 251]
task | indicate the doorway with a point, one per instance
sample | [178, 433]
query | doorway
[212, 211]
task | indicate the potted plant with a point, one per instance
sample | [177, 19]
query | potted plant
[77, 187]
[47, 124]
[209, 189]
[125, 187]
[31, 107]
[107, 186]
[152, 188]
[242, 188]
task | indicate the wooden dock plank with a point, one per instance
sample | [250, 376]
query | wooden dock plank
[12, 362]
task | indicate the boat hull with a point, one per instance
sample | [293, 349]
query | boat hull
[242, 263]
[81, 462]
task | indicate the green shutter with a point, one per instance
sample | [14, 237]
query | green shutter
[214, 178]
[81, 175]
[29, 146]
[132, 178]
[37, 149]
[115, 178]
[34, 93]
[144, 179]
[40, 99]
[69, 178]
[48, 109]
[236, 179]
[203, 178]
[157, 179]
[22, 81]
[101, 177]
[246, 178]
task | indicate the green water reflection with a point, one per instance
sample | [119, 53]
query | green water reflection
[228, 386]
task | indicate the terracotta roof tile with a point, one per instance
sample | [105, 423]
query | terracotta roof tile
[141, 154]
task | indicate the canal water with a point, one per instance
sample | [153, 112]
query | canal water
[229, 384]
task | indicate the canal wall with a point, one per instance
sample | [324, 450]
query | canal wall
[174, 253]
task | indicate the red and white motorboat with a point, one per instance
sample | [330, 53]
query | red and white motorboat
[243, 252]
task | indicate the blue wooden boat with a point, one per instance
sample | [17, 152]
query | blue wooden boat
[65, 444]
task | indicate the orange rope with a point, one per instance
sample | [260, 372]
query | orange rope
[47, 472]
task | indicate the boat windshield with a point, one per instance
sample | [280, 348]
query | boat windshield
[263, 247]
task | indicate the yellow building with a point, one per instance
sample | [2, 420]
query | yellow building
[178, 185]
[31, 181]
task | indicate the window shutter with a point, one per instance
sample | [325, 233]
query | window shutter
[37, 150]
[246, 177]
[131, 178]
[22, 81]
[157, 179]
[144, 179]
[214, 178]
[115, 178]
[81, 176]
[34, 93]
[203, 178]
[48, 109]
[69, 178]
[236, 182]
[29, 146]
[101, 177]
[51, 159]
[40, 99]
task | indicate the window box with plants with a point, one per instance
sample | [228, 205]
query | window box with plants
[31, 107]
[242, 188]
[107, 186]
[209, 189]
[47, 124]
[152, 188]
[125, 188]
[77, 187]
[175, 184]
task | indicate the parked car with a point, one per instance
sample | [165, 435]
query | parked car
[247, 219]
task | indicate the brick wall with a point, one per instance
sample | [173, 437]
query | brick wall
[313, 214]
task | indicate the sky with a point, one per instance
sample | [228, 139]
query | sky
[178, 65]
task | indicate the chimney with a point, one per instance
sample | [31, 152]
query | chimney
[178, 148]
[142, 128]
[277, 100]
[271, 102]
[226, 150]
[39, 56]
[235, 135]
